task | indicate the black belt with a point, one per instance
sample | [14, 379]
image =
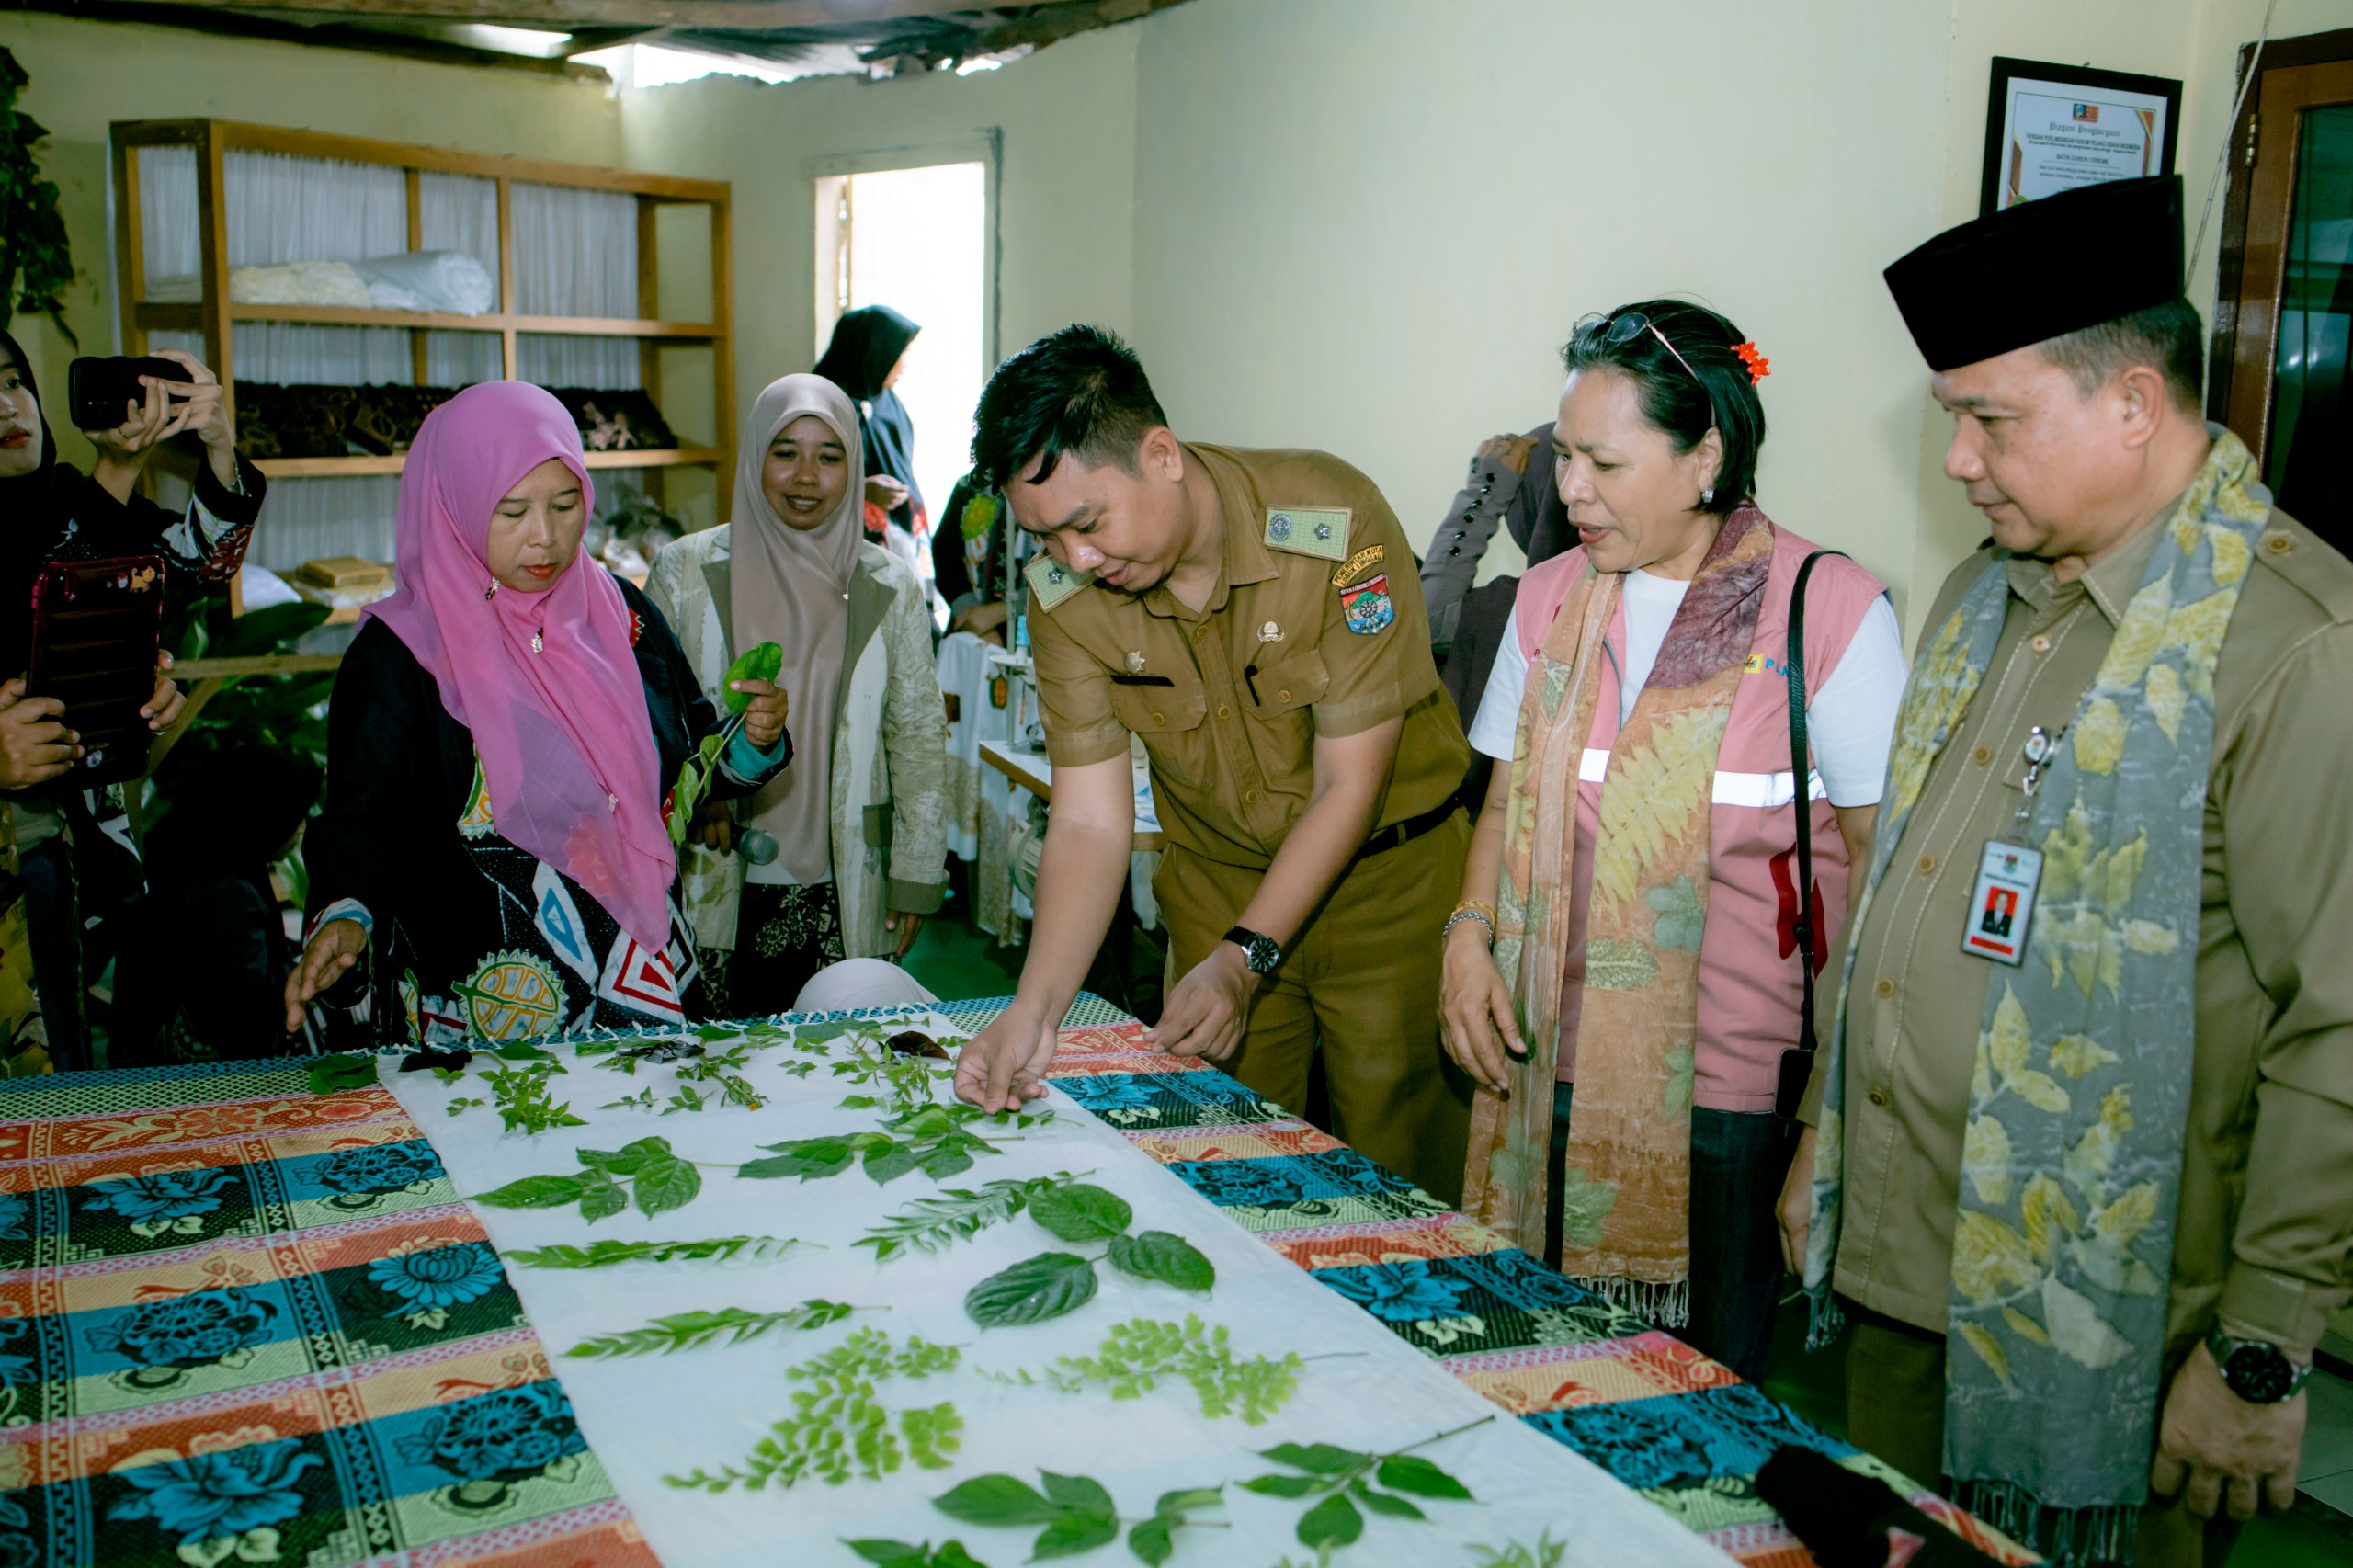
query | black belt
[1397, 835]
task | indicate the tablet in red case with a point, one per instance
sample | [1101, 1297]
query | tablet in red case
[97, 626]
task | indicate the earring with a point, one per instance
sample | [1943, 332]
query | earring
[1708, 496]
[492, 589]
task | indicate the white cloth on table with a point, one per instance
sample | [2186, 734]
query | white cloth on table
[649, 1417]
[860, 983]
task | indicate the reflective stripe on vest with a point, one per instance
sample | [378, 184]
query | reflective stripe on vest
[1763, 789]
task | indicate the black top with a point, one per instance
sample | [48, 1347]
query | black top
[867, 343]
[401, 774]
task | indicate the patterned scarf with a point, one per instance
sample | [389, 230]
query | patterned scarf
[2071, 1160]
[1625, 1226]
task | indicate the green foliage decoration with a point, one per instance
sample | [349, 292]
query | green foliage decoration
[607, 1253]
[1076, 1512]
[1546, 1554]
[1139, 1353]
[936, 1140]
[1347, 1485]
[36, 252]
[693, 1330]
[899, 1554]
[1054, 1283]
[840, 1428]
[930, 1224]
[659, 1181]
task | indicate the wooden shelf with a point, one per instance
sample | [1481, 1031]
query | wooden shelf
[646, 457]
[175, 316]
[214, 316]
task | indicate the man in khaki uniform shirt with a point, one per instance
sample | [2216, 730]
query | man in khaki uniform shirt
[2077, 449]
[1254, 618]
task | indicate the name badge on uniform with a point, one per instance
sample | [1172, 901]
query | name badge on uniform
[2003, 905]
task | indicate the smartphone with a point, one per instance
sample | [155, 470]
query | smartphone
[98, 627]
[98, 392]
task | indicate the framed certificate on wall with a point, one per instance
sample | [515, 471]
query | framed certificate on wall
[2049, 128]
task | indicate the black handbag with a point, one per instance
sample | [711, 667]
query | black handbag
[1797, 1063]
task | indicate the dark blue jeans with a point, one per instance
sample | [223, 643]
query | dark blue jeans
[1738, 1159]
[54, 919]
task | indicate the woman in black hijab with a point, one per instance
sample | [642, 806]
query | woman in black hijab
[202, 972]
[868, 346]
[49, 511]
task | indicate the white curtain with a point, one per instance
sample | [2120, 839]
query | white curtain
[167, 223]
[460, 213]
[282, 208]
[575, 255]
[306, 519]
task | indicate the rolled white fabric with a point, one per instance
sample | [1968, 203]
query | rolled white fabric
[444, 282]
[860, 983]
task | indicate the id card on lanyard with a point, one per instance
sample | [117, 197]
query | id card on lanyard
[2001, 909]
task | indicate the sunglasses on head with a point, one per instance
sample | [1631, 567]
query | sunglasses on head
[1621, 329]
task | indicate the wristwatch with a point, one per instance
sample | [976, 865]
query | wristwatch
[1259, 952]
[2255, 1369]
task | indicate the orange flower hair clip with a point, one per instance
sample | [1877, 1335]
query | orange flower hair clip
[1758, 366]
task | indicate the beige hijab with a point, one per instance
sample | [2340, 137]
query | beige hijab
[791, 587]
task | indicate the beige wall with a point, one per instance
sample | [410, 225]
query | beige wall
[1067, 121]
[1358, 230]
[87, 74]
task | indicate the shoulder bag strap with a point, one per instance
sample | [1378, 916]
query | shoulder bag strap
[1797, 1064]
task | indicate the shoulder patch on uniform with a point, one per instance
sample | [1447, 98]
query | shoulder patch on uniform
[1368, 556]
[1051, 582]
[1309, 530]
[1367, 606]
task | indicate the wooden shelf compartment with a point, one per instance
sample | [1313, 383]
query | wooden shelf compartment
[188, 316]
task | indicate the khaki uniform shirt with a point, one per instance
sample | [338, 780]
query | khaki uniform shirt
[2267, 1181]
[1229, 698]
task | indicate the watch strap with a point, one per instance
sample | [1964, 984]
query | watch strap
[1261, 952]
[2225, 1347]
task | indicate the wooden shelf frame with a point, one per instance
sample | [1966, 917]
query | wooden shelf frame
[214, 314]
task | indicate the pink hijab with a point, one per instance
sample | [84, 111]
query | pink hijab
[562, 734]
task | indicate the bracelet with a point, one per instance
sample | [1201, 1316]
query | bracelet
[1460, 916]
[1482, 906]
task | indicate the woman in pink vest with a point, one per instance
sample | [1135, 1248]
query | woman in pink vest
[1630, 911]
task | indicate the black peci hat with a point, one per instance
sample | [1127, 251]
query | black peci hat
[2042, 268]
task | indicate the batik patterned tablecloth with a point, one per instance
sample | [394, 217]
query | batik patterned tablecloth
[241, 1322]
[1678, 1427]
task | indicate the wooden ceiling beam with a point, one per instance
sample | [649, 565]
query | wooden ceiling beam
[730, 16]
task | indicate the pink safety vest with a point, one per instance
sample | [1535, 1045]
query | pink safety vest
[1749, 985]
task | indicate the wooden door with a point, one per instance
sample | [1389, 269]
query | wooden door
[2284, 338]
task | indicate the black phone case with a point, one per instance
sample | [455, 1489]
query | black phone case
[98, 390]
[97, 626]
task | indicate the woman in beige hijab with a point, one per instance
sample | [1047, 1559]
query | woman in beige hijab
[844, 853]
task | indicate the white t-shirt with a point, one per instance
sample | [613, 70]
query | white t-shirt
[1850, 723]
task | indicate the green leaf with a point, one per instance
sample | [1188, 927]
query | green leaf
[666, 1184]
[946, 1161]
[891, 1553]
[1185, 1502]
[951, 1554]
[995, 1500]
[1081, 1212]
[1077, 1492]
[1411, 1472]
[1075, 1530]
[1150, 1540]
[889, 1163]
[759, 662]
[602, 1200]
[1333, 1522]
[860, 1102]
[1156, 1254]
[537, 1192]
[1319, 1459]
[811, 1159]
[1281, 1485]
[336, 1075]
[604, 1255]
[261, 630]
[1382, 1503]
[519, 1052]
[1032, 1290]
[689, 1331]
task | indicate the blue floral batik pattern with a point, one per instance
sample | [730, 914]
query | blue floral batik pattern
[155, 1202]
[380, 1168]
[1679, 1439]
[442, 1277]
[1338, 1173]
[509, 1435]
[16, 1365]
[15, 1217]
[1396, 1292]
[186, 1331]
[226, 1492]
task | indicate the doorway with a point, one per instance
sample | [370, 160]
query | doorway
[916, 239]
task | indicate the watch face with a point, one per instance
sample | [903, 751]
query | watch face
[2259, 1374]
[1264, 954]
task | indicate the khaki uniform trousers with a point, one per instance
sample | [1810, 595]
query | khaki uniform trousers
[1361, 984]
[1895, 1408]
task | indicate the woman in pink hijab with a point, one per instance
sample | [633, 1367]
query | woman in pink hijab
[514, 744]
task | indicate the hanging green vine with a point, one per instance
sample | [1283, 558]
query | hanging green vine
[838, 1428]
[36, 252]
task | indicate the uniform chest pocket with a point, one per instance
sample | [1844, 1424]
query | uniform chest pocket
[1289, 685]
[1169, 720]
